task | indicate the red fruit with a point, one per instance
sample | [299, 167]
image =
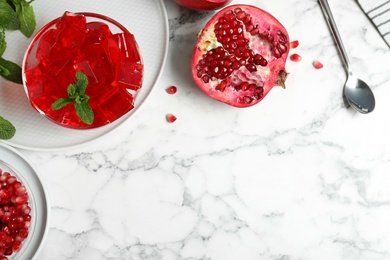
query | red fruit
[296, 57]
[240, 55]
[171, 118]
[203, 5]
[294, 44]
[317, 64]
[171, 90]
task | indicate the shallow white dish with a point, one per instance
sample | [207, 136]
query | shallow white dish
[147, 20]
[39, 204]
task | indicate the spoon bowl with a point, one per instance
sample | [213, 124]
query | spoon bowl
[356, 92]
[359, 95]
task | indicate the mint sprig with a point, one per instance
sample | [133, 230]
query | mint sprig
[14, 15]
[76, 95]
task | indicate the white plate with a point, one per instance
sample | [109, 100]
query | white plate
[146, 19]
[39, 204]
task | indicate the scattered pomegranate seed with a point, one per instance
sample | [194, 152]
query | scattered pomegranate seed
[318, 65]
[15, 215]
[171, 118]
[295, 57]
[294, 44]
[171, 90]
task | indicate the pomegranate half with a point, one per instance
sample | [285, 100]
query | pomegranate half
[240, 55]
[203, 5]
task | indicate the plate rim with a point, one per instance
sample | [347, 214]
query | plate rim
[134, 111]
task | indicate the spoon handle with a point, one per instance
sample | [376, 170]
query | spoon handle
[332, 26]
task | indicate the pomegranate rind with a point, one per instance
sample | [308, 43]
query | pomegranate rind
[203, 5]
[273, 74]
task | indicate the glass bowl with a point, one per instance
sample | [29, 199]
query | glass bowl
[99, 47]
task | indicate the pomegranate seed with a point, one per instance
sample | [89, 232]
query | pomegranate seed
[221, 86]
[171, 118]
[246, 99]
[296, 57]
[16, 246]
[317, 64]
[13, 225]
[205, 79]
[294, 44]
[277, 53]
[171, 90]
[23, 233]
[11, 179]
[8, 251]
[4, 194]
[251, 67]
[254, 31]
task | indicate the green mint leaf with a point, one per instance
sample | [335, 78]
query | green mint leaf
[3, 43]
[60, 103]
[72, 91]
[82, 82]
[85, 112]
[7, 129]
[26, 16]
[8, 18]
[10, 71]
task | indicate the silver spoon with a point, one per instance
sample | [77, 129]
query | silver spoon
[357, 93]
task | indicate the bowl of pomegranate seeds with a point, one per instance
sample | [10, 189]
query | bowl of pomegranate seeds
[83, 70]
[23, 207]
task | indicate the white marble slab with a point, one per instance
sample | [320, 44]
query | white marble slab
[297, 177]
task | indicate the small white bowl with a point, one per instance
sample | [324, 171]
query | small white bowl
[17, 164]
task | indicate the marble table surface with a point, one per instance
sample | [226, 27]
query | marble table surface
[299, 176]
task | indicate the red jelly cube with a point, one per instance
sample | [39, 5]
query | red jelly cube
[112, 50]
[99, 28]
[130, 75]
[71, 29]
[96, 33]
[128, 47]
[94, 57]
[46, 42]
[116, 103]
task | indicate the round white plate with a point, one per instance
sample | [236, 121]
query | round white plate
[40, 205]
[146, 19]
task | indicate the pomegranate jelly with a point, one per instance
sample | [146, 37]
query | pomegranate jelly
[73, 43]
